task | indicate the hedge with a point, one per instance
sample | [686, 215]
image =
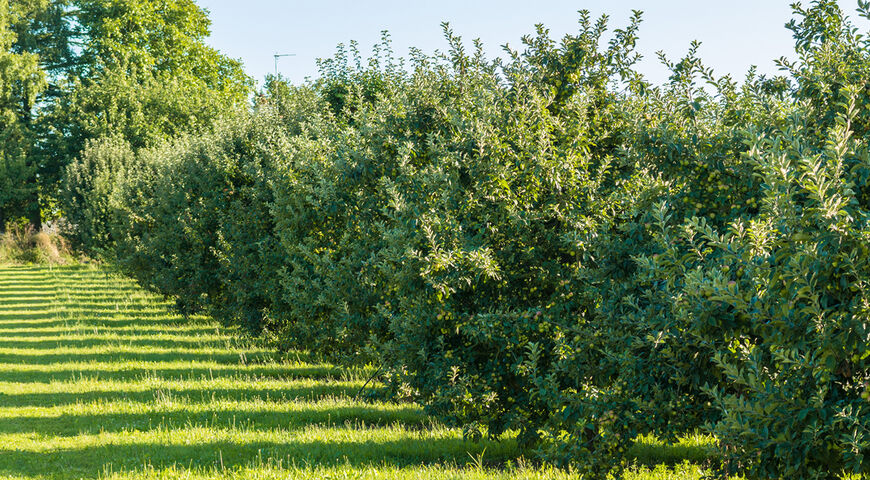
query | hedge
[547, 244]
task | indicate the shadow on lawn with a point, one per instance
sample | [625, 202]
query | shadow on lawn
[39, 358]
[139, 342]
[129, 331]
[91, 462]
[193, 393]
[250, 372]
[292, 418]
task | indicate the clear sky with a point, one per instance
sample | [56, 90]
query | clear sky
[734, 34]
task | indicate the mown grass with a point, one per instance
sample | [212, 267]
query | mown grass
[98, 379]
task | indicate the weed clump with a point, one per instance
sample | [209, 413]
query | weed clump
[21, 243]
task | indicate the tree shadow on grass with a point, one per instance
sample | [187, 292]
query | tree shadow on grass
[201, 392]
[295, 416]
[29, 321]
[90, 462]
[129, 331]
[97, 303]
[14, 319]
[13, 294]
[249, 372]
[106, 306]
[225, 358]
[140, 342]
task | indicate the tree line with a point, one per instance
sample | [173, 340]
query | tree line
[546, 245]
[72, 71]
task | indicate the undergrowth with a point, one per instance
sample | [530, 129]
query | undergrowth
[22, 244]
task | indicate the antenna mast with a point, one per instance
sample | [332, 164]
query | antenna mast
[279, 55]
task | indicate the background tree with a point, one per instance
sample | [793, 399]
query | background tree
[139, 70]
[21, 80]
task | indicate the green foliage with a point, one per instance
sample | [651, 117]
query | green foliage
[20, 83]
[210, 198]
[89, 185]
[780, 294]
[145, 73]
[546, 245]
[74, 71]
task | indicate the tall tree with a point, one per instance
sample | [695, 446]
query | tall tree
[21, 81]
[136, 69]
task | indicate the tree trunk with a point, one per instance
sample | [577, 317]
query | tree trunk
[34, 215]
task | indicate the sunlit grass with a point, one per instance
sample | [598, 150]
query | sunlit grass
[99, 379]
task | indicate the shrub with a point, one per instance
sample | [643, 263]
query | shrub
[780, 295]
[196, 224]
[88, 187]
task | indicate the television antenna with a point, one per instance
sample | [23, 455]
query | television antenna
[279, 55]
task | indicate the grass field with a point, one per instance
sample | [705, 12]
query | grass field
[98, 379]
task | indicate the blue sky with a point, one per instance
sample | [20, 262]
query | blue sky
[734, 34]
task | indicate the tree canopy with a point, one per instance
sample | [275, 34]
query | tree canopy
[79, 70]
[21, 82]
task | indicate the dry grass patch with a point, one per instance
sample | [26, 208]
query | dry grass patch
[21, 244]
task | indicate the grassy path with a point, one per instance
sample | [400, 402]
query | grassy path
[98, 379]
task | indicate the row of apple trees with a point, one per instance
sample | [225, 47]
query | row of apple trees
[546, 244]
